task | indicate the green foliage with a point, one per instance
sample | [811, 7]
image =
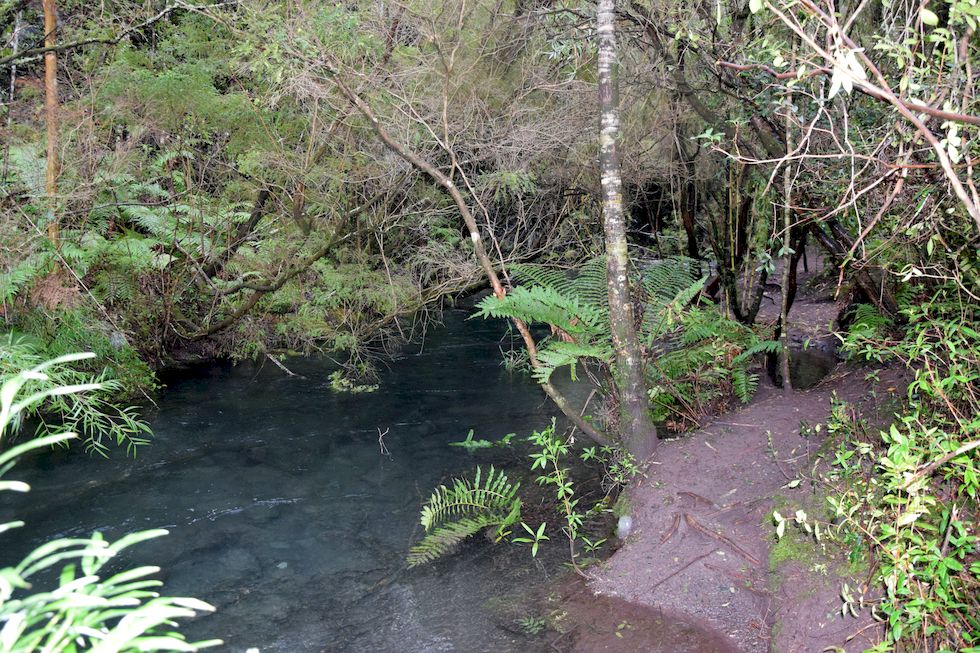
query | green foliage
[93, 415]
[532, 625]
[550, 459]
[465, 508]
[341, 381]
[471, 444]
[541, 304]
[910, 493]
[695, 356]
[710, 358]
[89, 607]
[575, 304]
[454, 513]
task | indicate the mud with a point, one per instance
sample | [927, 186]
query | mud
[702, 516]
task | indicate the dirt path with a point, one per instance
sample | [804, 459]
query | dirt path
[702, 529]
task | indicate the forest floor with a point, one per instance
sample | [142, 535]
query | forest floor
[703, 546]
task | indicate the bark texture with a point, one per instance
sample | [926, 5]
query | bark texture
[788, 260]
[638, 432]
[51, 117]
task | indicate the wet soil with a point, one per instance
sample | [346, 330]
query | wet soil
[702, 516]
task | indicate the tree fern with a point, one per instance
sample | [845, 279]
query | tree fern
[666, 278]
[556, 353]
[454, 513]
[541, 304]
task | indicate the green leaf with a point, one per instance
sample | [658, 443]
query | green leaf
[928, 17]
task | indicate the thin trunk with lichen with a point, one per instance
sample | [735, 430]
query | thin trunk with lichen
[638, 432]
[788, 260]
[51, 117]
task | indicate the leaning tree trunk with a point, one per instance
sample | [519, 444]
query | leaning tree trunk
[479, 249]
[51, 117]
[637, 430]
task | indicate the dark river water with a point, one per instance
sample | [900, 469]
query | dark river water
[285, 512]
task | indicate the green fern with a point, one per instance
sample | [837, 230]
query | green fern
[587, 283]
[869, 322]
[556, 353]
[23, 274]
[744, 383]
[667, 278]
[569, 313]
[26, 164]
[454, 513]
[114, 285]
[758, 347]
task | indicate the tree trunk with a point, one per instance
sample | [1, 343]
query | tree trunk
[638, 433]
[788, 261]
[51, 116]
[15, 45]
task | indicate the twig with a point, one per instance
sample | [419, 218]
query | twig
[931, 467]
[693, 523]
[669, 576]
[280, 365]
[675, 522]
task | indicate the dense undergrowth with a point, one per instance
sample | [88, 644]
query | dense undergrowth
[900, 477]
[218, 186]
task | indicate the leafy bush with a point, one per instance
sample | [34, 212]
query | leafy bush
[707, 362]
[89, 608]
[695, 357]
[911, 492]
[93, 414]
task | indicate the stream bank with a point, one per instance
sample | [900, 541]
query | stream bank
[704, 540]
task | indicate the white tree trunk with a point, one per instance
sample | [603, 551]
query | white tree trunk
[638, 432]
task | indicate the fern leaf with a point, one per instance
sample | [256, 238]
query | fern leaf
[548, 306]
[453, 513]
[445, 539]
[745, 384]
[555, 354]
[761, 347]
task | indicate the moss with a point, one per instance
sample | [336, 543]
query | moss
[793, 546]
[835, 554]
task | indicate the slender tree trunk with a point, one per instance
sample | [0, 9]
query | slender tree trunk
[788, 260]
[51, 116]
[638, 433]
[15, 46]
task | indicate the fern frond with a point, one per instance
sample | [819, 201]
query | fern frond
[555, 354]
[667, 278]
[744, 383]
[453, 513]
[761, 347]
[661, 314]
[548, 306]
[22, 275]
[490, 494]
[869, 321]
[445, 539]
[587, 283]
